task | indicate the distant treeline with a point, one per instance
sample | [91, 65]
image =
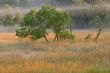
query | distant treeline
[53, 2]
[81, 18]
[14, 2]
[92, 2]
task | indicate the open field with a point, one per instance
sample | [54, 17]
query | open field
[69, 56]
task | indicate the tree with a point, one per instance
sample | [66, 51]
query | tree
[66, 35]
[60, 20]
[35, 24]
[100, 22]
[44, 17]
[54, 19]
[8, 17]
[26, 25]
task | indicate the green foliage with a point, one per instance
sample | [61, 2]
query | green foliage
[0, 20]
[98, 70]
[66, 35]
[29, 19]
[22, 33]
[100, 23]
[60, 20]
[35, 24]
[26, 24]
[45, 16]
[38, 33]
[8, 21]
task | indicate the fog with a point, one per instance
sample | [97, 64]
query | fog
[80, 13]
[38, 3]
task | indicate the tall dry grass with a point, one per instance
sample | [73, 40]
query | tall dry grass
[68, 56]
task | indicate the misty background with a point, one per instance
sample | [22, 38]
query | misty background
[80, 11]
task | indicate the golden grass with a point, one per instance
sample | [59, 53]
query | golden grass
[39, 66]
[6, 36]
[78, 55]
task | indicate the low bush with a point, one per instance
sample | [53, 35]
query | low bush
[66, 35]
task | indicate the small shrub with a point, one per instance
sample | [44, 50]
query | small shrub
[66, 35]
[22, 33]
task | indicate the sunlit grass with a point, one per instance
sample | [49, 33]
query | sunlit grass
[68, 56]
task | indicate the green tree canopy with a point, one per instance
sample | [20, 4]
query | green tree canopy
[100, 22]
[35, 25]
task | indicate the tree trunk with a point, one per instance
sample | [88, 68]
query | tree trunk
[45, 38]
[98, 34]
[88, 36]
[56, 38]
[70, 28]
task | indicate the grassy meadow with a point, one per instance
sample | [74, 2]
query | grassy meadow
[68, 56]
[27, 18]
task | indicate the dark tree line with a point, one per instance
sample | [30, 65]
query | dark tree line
[83, 17]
